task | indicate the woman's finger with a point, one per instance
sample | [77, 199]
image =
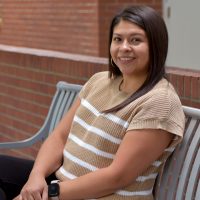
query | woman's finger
[45, 193]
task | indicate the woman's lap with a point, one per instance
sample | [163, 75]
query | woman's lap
[14, 173]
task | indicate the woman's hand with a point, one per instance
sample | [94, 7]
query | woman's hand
[35, 189]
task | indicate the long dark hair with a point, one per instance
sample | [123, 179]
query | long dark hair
[154, 26]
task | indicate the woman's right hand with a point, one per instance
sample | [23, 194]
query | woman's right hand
[35, 189]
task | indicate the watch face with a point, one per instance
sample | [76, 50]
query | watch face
[53, 190]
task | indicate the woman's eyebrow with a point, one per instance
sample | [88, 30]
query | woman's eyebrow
[131, 34]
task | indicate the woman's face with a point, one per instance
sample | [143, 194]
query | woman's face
[130, 49]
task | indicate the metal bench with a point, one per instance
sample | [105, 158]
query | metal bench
[62, 100]
[180, 179]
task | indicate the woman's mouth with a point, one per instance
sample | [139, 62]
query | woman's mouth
[126, 59]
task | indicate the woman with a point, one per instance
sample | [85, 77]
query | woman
[114, 140]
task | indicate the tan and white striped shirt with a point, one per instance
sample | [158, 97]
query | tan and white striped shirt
[95, 136]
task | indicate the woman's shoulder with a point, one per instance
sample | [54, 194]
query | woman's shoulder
[95, 82]
[95, 78]
[164, 98]
[164, 87]
[162, 103]
[100, 75]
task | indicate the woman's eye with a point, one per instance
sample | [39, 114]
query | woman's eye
[116, 39]
[135, 41]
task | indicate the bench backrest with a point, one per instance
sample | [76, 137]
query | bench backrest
[181, 175]
[64, 97]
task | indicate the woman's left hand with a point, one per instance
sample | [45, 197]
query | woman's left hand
[35, 189]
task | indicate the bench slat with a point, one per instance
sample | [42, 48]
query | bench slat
[188, 164]
[194, 178]
[198, 191]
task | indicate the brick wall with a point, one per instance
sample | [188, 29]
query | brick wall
[60, 25]
[73, 26]
[28, 79]
[28, 76]
[187, 84]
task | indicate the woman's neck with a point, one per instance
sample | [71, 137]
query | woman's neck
[130, 84]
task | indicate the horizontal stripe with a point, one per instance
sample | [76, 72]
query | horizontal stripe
[91, 108]
[170, 149]
[144, 178]
[156, 163]
[111, 117]
[90, 147]
[79, 161]
[137, 193]
[139, 179]
[119, 192]
[117, 120]
[97, 131]
[67, 174]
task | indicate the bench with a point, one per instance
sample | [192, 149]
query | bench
[180, 179]
[62, 100]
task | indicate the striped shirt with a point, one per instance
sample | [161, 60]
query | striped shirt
[95, 136]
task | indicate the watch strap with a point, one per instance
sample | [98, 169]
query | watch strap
[54, 198]
[55, 181]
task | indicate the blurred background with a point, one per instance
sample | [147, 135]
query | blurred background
[46, 41]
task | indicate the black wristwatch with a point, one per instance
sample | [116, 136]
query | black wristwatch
[54, 190]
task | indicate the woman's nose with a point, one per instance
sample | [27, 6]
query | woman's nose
[125, 45]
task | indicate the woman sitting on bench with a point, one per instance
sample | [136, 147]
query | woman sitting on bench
[114, 140]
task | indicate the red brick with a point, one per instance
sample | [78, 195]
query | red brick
[62, 26]
[186, 102]
[180, 85]
[195, 88]
[196, 104]
[173, 80]
[187, 86]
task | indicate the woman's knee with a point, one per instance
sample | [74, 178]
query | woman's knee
[14, 168]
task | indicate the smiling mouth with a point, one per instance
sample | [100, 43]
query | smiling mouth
[126, 59]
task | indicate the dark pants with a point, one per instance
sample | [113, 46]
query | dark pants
[14, 173]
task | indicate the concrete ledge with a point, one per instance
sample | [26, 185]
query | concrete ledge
[53, 54]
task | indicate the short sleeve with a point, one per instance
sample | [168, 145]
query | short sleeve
[88, 86]
[162, 110]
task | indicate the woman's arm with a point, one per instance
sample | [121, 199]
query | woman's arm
[137, 151]
[48, 159]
